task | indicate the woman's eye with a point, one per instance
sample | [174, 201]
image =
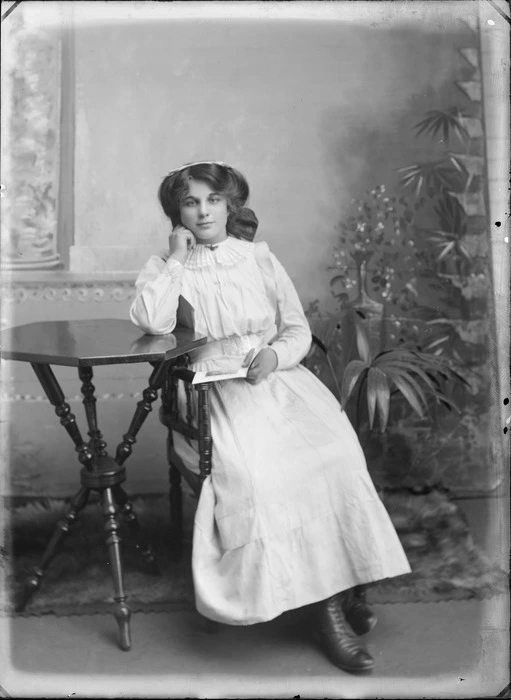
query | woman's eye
[189, 203]
[214, 200]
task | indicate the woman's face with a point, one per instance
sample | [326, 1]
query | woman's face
[204, 212]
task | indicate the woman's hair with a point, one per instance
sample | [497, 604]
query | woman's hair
[222, 179]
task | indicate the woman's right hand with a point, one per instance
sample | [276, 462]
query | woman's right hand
[181, 241]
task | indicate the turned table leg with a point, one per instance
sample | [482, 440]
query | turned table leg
[121, 611]
[144, 407]
[96, 443]
[33, 581]
[142, 546]
[56, 397]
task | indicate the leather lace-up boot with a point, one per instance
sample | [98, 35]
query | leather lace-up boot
[338, 640]
[359, 615]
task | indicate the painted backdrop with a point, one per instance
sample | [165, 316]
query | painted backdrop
[320, 116]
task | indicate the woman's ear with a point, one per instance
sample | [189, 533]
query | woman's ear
[243, 224]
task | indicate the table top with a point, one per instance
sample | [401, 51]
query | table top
[93, 342]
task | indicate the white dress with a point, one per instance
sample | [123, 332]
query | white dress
[289, 515]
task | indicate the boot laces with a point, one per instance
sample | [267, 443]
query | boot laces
[340, 625]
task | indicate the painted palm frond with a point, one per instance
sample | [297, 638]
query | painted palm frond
[435, 175]
[441, 337]
[446, 122]
[460, 166]
[453, 227]
[451, 215]
[412, 373]
[450, 245]
[378, 395]
[355, 370]
[325, 331]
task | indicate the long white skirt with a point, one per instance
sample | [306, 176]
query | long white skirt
[289, 515]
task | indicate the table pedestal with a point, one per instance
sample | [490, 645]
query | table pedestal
[103, 474]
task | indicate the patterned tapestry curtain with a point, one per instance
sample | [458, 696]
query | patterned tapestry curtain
[31, 68]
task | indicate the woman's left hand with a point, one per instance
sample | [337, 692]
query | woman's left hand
[264, 363]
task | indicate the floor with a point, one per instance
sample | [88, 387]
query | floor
[448, 649]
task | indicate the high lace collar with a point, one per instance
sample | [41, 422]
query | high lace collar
[227, 252]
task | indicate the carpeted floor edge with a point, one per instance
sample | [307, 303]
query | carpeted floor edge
[173, 607]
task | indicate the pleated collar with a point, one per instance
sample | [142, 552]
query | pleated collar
[228, 252]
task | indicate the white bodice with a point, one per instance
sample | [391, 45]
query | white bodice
[229, 292]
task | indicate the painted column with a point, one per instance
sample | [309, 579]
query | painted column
[31, 56]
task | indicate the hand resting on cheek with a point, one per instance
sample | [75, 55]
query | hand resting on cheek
[181, 240]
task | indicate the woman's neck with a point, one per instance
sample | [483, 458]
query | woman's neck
[214, 242]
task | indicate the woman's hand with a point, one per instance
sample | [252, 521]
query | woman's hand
[262, 366]
[181, 240]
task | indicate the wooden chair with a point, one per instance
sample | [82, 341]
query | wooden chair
[174, 421]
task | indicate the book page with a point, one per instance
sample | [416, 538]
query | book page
[219, 375]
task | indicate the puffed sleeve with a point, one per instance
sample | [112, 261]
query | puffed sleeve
[294, 335]
[157, 291]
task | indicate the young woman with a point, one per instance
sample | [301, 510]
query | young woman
[289, 516]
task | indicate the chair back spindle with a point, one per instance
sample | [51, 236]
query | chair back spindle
[204, 425]
[189, 407]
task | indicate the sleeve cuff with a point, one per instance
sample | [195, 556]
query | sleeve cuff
[276, 355]
[278, 352]
[172, 266]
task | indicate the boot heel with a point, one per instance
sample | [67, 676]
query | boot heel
[359, 615]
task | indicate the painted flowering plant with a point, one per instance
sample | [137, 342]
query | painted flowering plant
[378, 237]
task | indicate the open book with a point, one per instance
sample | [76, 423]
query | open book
[235, 368]
[218, 375]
